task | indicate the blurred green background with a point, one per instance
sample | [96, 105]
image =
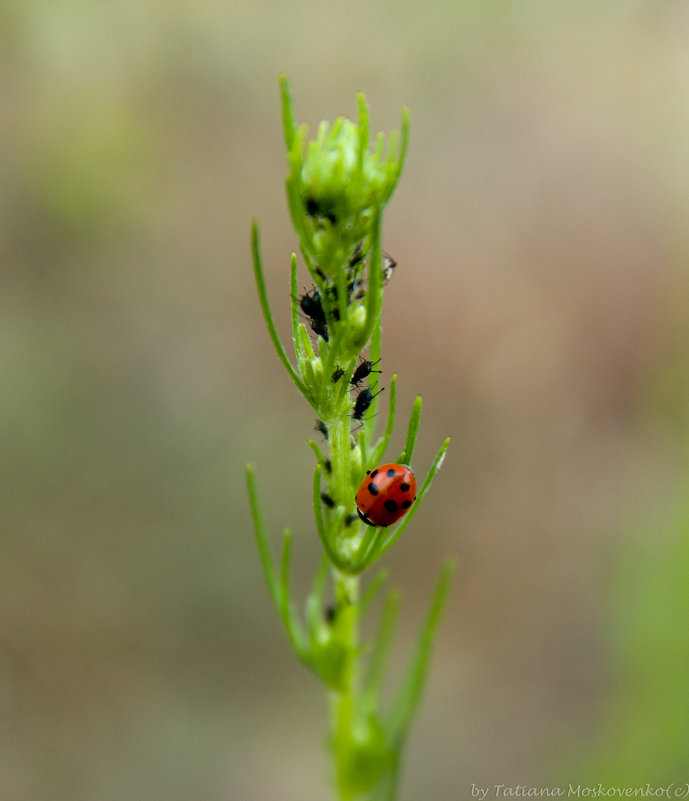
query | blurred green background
[541, 306]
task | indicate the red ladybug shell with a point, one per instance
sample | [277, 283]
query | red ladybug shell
[386, 494]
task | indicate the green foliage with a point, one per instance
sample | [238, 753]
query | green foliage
[337, 190]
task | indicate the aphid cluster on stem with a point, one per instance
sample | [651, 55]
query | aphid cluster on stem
[312, 306]
[312, 302]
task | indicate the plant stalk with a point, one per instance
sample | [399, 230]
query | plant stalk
[343, 703]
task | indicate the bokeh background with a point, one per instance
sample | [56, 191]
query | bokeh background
[540, 306]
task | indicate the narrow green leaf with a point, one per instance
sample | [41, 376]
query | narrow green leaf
[320, 523]
[393, 151]
[386, 789]
[294, 295]
[408, 698]
[374, 350]
[331, 131]
[261, 538]
[380, 143]
[284, 570]
[370, 592]
[318, 511]
[319, 453]
[365, 460]
[412, 431]
[374, 295]
[381, 647]
[288, 125]
[306, 342]
[315, 602]
[383, 442]
[278, 588]
[295, 200]
[374, 353]
[403, 150]
[265, 307]
[367, 544]
[295, 633]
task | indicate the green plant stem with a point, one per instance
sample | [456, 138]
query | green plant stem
[343, 702]
[336, 191]
[340, 459]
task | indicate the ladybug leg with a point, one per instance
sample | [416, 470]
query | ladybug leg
[365, 519]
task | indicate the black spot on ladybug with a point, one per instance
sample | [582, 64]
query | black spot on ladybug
[390, 473]
[390, 505]
[373, 489]
[372, 474]
[406, 504]
[404, 487]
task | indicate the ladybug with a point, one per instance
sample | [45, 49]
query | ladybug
[386, 494]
